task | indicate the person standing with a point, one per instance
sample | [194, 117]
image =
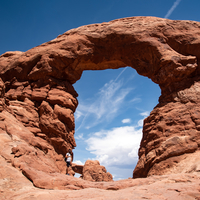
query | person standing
[68, 159]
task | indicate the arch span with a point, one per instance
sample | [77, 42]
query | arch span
[165, 51]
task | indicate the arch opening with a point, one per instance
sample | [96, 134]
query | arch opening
[109, 117]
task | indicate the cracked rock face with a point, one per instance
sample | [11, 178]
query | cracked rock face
[38, 100]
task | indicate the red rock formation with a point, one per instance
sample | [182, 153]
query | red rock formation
[92, 171]
[37, 111]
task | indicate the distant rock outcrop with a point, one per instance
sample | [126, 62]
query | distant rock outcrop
[38, 100]
[92, 171]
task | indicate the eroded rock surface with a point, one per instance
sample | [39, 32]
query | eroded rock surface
[183, 186]
[38, 100]
[93, 171]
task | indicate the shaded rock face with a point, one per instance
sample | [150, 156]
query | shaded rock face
[38, 100]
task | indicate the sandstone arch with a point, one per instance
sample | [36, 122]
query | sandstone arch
[40, 80]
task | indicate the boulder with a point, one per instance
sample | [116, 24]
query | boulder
[93, 171]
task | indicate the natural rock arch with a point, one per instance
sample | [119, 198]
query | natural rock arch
[40, 81]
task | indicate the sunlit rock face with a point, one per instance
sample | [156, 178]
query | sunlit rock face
[38, 100]
[92, 171]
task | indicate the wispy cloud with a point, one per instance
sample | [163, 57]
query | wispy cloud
[176, 3]
[79, 137]
[78, 114]
[120, 73]
[107, 102]
[135, 100]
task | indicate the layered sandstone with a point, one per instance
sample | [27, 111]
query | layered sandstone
[38, 100]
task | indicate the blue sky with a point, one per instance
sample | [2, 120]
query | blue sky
[112, 103]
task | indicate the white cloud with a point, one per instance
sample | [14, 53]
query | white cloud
[176, 3]
[126, 121]
[116, 147]
[78, 162]
[144, 114]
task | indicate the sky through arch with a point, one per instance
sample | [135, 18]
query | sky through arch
[110, 115]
